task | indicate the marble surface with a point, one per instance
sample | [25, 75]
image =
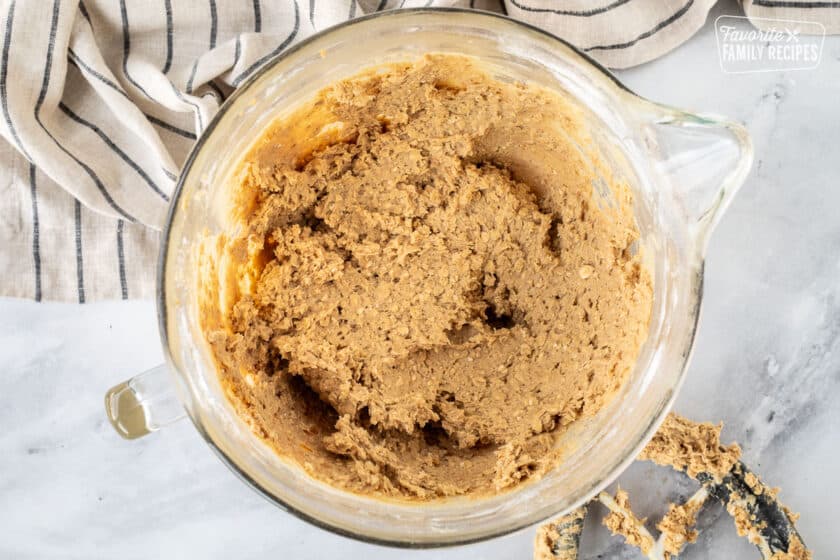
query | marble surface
[767, 363]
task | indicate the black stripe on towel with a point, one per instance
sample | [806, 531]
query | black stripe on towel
[94, 177]
[237, 51]
[793, 4]
[169, 174]
[190, 80]
[82, 65]
[278, 49]
[181, 97]
[121, 259]
[4, 74]
[116, 149]
[662, 24]
[173, 129]
[167, 6]
[36, 231]
[127, 49]
[257, 16]
[578, 13]
[40, 102]
[80, 273]
[84, 12]
[214, 24]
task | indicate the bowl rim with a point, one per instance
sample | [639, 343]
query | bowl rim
[162, 311]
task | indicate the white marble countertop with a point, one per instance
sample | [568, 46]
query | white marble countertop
[766, 362]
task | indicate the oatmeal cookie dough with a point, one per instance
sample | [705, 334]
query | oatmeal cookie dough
[427, 290]
[692, 447]
[622, 521]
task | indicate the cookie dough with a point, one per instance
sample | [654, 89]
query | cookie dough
[434, 275]
[691, 447]
[622, 521]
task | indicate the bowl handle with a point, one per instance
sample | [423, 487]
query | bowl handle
[143, 404]
[705, 159]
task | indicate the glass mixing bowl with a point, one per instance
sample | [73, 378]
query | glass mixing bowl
[683, 170]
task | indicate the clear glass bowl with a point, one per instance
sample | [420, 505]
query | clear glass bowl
[683, 170]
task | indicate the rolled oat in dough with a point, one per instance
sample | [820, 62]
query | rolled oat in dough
[427, 289]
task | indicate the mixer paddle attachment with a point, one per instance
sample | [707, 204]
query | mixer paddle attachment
[755, 508]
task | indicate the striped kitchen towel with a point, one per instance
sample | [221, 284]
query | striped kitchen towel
[102, 99]
[826, 12]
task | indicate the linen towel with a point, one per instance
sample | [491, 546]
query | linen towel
[101, 101]
[826, 12]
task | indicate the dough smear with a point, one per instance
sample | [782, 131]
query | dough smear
[427, 289]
